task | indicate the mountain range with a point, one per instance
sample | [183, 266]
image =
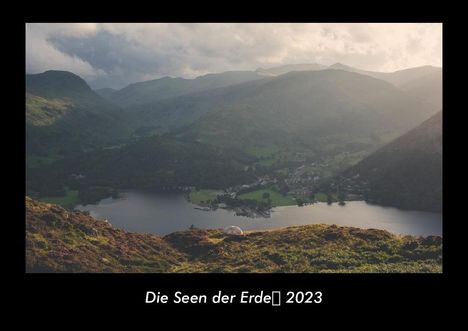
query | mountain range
[243, 141]
[280, 70]
[424, 83]
[163, 104]
[146, 92]
[314, 109]
[412, 81]
[213, 122]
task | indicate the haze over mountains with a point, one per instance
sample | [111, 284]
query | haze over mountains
[217, 119]
[153, 90]
[276, 71]
[424, 82]
[174, 102]
[106, 92]
[298, 105]
[406, 172]
[139, 93]
[308, 108]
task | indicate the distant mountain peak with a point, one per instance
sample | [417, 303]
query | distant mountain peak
[283, 69]
[53, 83]
[338, 64]
[342, 66]
[58, 72]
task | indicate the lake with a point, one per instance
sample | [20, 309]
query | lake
[165, 213]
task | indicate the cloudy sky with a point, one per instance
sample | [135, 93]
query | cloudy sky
[114, 55]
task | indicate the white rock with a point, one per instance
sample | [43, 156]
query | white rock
[234, 230]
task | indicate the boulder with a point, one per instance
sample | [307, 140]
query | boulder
[233, 230]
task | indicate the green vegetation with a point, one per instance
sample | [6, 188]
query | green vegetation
[216, 139]
[263, 151]
[264, 195]
[65, 117]
[288, 111]
[324, 197]
[68, 201]
[149, 93]
[267, 154]
[406, 173]
[153, 163]
[43, 112]
[297, 128]
[93, 194]
[38, 160]
[203, 196]
[58, 240]
[312, 248]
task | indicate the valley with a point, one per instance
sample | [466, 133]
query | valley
[313, 154]
[321, 134]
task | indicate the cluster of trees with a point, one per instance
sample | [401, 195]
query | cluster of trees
[154, 163]
[93, 194]
[259, 206]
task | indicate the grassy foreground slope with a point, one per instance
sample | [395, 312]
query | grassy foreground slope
[58, 240]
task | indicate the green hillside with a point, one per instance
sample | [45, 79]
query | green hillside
[147, 92]
[423, 83]
[406, 173]
[154, 163]
[236, 133]
[64, 116]
[325, 111]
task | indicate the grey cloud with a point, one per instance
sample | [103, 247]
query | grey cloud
[114, 55]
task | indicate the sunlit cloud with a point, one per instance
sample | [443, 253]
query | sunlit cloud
[121, 53]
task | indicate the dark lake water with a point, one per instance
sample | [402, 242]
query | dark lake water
[166, 213]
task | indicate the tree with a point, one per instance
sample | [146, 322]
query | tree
[266, 195]
[341, 198]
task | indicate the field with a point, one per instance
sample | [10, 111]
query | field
[267, 155]
[68, 201]
[277, 199]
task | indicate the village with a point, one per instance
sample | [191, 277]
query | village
[297, 183]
